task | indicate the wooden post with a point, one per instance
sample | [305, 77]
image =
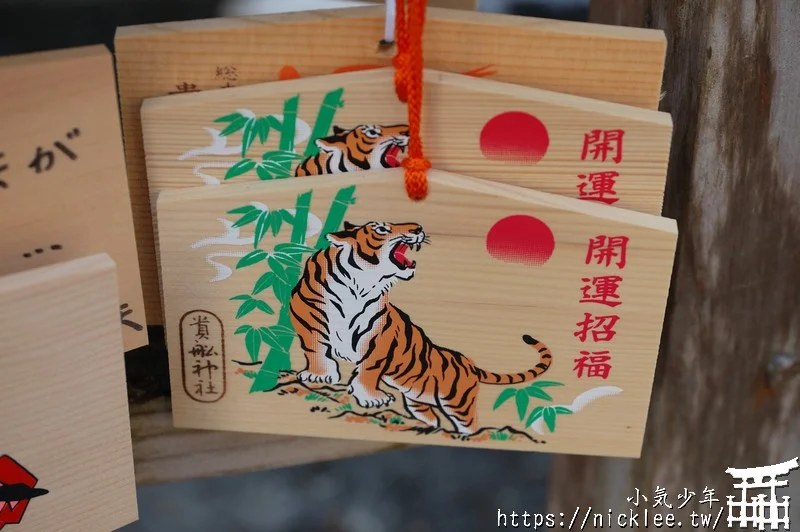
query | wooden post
[731, 81]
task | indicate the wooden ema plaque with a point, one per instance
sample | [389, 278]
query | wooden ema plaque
[486, 315]
[66, 461]
[615, 64]
[592, 150]
[63, 187]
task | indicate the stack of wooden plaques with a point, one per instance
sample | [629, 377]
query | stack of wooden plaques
[518, 306]
[70, 295]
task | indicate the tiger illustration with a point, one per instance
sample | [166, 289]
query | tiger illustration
[340, 311]
[364, 147]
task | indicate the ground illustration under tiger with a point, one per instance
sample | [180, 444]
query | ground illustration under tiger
[334, 402]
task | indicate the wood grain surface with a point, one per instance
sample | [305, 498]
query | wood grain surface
[62, 387]
[63, 185]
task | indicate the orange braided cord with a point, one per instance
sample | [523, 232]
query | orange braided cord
[408, 79]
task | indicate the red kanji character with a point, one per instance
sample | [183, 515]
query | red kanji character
[605, 248]
[605, 290]
[602, 187]
[601, 327]
[185, 87]
[595, 363]
[600, 142]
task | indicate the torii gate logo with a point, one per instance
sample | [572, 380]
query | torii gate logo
[759, 511]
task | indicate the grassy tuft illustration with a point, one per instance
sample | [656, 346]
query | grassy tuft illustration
[522, 398]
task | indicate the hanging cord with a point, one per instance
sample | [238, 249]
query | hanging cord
[408, 63]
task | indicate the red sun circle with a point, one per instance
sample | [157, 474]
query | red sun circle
[514, 137]
[521, 239]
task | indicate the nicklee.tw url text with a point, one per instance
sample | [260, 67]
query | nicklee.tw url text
[589, 519]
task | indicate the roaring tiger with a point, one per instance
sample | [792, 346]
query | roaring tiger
[364, 147]
[340, 310]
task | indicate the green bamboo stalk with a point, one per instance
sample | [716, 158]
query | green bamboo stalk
[278, 360]
[344, 198]
[300, 222]
[288, 128]
[331, 102]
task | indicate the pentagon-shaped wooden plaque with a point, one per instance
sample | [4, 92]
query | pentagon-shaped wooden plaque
[486, 315]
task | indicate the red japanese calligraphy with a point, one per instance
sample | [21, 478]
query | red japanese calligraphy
[598, 186]
[602, 143]
[601, 328]
[603, 290]
[593, 364]
[604, 249]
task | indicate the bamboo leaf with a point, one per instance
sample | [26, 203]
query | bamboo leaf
[536, 413]
[287, 261]
[243, 329]
[282, 156]
[264, 307]
[262, 128]
[235, 125]
[249, 135]
[293, 249]
[246, 218]
[504, 396]
[270, 338]
[288, 218]
[545, 384]
[264, 282]
[228, 118]
[282, 292]
[282, 330]
[274, 122]
[538, 393]
[275, 224]
[251, 258]
[261, 227]
[562, 410]
[246, 308]
[294, 273]
[278, 269]
[550, 418]
[262, 173]
[241, 297]
[522, 401]
[276, 169]
[243, 210]
[253, 343]
[240, 168]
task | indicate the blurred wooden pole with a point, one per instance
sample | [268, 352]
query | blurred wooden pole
[731, 84]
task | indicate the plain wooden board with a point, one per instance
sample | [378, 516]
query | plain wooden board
[462, 297]
[463, 118]
[62, 386]
[74, 200]
[621, 65]
[729, 368]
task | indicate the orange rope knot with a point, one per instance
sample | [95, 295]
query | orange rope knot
[408, 63]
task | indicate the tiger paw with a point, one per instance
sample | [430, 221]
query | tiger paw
[325, 378]
[369, 398]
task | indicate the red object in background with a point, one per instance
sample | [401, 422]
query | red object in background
[514, 137]
[15, 479]
[522, 239]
